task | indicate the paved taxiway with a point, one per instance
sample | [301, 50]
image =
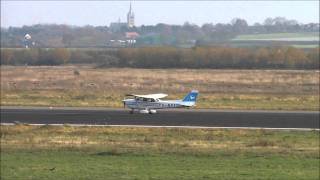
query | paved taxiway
[185, 117]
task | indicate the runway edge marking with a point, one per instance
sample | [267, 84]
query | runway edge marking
[147, 126]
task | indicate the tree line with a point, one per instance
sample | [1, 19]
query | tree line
[54, 35]
[169, 57]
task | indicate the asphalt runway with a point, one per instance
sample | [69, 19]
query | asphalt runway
[185, 117]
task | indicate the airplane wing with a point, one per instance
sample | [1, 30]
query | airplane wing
[149, 96]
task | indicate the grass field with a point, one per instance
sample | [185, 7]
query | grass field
[105, 99]
[313, 36]
[307, 46]
[48, 152]
[221, 89]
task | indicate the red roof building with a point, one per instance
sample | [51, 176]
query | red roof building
[132, 35]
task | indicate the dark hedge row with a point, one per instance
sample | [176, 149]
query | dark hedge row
[168, 57]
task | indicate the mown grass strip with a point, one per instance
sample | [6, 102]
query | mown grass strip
[65, 152]
[216, 101]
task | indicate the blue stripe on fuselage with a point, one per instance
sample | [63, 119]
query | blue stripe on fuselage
[153, 105]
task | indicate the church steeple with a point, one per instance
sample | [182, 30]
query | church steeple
[130, 17]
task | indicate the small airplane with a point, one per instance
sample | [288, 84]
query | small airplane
[149, 103]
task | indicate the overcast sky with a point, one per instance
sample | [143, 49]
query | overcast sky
[101, 13]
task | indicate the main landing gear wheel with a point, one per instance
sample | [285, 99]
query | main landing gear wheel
[152, 111]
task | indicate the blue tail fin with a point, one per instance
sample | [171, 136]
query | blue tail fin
[191, 97]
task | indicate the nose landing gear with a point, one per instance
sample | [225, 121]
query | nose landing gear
[146, 111]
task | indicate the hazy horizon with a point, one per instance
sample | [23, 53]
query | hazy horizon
[102, 13]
